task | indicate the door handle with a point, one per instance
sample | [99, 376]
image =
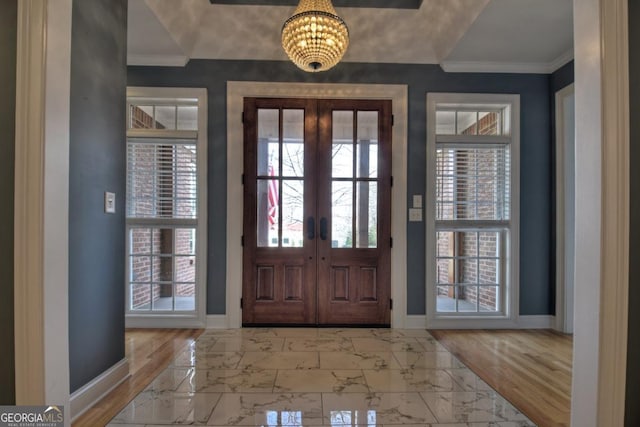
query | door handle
[311, 228]
[323, 228]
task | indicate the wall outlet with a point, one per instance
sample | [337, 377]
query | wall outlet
[109, 202]
[415, 215]
[417, 200]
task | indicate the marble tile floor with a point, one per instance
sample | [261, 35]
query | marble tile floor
[314, 377]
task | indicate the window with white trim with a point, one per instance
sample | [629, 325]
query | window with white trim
[473, 186]
[166, 201]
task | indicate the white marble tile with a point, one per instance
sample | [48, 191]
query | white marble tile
[320, 380]
[357, 360]
[296, 332]
[203, 360]
[233, 344]
[427, 359]
[400, 380]
[375, 408]
[384, 344]
[168, 408]
[279, 360]
[169, 379]
[466, 380]
[318, 344]
[126, 425]
[350, 332]
[259, 409]
[229, 381]
[455, 407]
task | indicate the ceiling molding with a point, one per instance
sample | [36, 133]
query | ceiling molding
[157, 60]
[507, 67]
[373, 4]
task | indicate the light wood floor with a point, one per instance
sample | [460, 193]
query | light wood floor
[530, 368]
[149, 352]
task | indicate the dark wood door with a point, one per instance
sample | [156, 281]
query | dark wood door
[317, 207]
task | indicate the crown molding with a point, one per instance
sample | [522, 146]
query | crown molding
[157, 60]
[507, 67]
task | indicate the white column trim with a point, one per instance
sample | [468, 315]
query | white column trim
[236, 91]
[614, 279]
[29, 203]
[602, 210]
[42, 202]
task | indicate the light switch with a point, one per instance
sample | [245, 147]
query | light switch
[417, 200]
[415, 215]
[109, 202]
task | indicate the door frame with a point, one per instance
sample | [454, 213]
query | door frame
[236, 92]
[564, 300]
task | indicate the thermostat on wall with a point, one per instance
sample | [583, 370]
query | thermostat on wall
[109, 202]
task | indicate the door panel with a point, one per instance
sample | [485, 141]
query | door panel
[279, 279]
[317, 212]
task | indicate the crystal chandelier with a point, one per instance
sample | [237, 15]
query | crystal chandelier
[315, 37]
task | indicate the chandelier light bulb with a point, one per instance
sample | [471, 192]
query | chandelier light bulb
[315, 38]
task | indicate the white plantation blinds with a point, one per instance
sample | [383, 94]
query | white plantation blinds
[472, 182]
[161, 178]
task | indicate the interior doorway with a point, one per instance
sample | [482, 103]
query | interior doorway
[317, 216]
[565, 208]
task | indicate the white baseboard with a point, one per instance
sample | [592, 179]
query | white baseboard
[415, 322]
[150, 322]
[537, 322]
[217, 321]
[90, 393]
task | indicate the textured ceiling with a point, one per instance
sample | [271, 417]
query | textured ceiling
[170, 32]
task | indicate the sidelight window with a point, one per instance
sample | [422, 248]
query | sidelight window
[473, 159]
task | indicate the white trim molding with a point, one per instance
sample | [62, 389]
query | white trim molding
[565, 266]
[217, 321]
[536, 322]
[416, 321]
[159, 321]
[90, 393]
[507, 67]
[236, 92]
[602, 213]
[42, 202]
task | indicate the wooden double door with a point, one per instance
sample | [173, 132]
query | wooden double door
[317, 212]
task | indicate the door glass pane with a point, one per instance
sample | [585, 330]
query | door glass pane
[342, 147]
[293, 143]
[367, 215]
[489, 298]
[267, 218]
[185, 241]
[342, 214]
[140, 269]
[445, 271]
[293, 213]
[140, 241]
[268, 155]
[367, 161]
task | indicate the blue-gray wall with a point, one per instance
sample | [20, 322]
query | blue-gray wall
[8, 28]
[97, 164]
[632, 416]
[535, 289]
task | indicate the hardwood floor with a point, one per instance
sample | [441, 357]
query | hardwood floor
[530, 368]
[149, 352]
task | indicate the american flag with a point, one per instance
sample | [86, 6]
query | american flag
[273, 199]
